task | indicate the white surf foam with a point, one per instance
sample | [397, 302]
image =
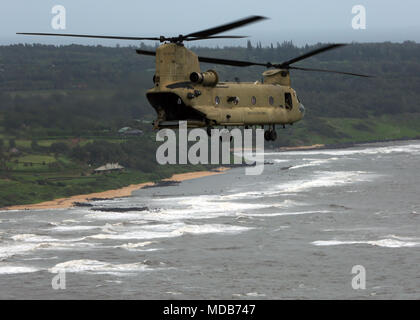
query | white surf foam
[121, 216]
[70, 221]
[168, 231]
[250, 195]
[135, 245]
[209, 228]
[212, 206]
[26, 243]
[403, 238]
[279, 160]
[281, 213]
[255, 294]
[7, 251]
[73, 228]
[95, 266]
[9, 269]
[387, 243]
[205, 207]
[245, 195]
[194, 207]
[313, 163]
[410, 148]
[29, 237]
[325, 179]
[66, 245]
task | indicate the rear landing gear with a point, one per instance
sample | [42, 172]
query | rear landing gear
[270, 134]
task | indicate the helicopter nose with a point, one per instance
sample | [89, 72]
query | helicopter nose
[302, 109]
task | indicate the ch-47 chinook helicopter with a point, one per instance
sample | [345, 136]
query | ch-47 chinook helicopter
[182, 92]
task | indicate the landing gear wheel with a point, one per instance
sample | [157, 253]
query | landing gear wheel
[270, 135]
[273, 135]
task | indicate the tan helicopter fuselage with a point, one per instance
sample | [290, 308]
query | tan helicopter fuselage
[203, 101]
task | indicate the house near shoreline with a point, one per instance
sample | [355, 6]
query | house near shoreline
[128, 131]
[109, 167]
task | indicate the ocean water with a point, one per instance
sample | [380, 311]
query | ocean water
[294, 232]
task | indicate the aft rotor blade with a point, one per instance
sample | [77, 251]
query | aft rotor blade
[308, 54]
[225, 27]
[239, 63]
[88, 36]
[235, 63]
[331, 71]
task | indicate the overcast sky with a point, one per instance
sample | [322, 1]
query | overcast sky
[303, 21]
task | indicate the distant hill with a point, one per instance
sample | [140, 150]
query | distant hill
[85, 88]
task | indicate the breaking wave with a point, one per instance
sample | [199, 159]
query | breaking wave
[313, 163]
[387, 243]
[168, 231]
[325, 179]
[410, 148]
[95, 266]
[282, 213]
[9, 269]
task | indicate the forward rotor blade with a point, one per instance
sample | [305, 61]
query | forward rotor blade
[225, 27]
[332, 71]
[215, 37]
[88, 36]
[235, 63]
[145, 52]
[200, 35]
[309, 54]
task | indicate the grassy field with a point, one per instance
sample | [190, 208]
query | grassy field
[345, 130]
[35, 185]
[35, 175]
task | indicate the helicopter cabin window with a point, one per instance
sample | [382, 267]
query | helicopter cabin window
[217, 100]
[271, 100]
[288, 100]
[253, 100]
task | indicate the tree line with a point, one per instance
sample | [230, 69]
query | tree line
[78, 88]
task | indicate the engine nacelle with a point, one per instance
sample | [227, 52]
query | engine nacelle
[208, 78]
[277, 76]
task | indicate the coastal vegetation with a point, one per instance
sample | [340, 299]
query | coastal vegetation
[61, 109]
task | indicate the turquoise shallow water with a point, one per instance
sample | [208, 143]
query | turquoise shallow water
[288, 233]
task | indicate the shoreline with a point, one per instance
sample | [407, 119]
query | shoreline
[62, 203]
[341, 145]
[303, 148]
[127, 191]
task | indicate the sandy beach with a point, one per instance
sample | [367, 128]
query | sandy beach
[311, 147]
[117, 193]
